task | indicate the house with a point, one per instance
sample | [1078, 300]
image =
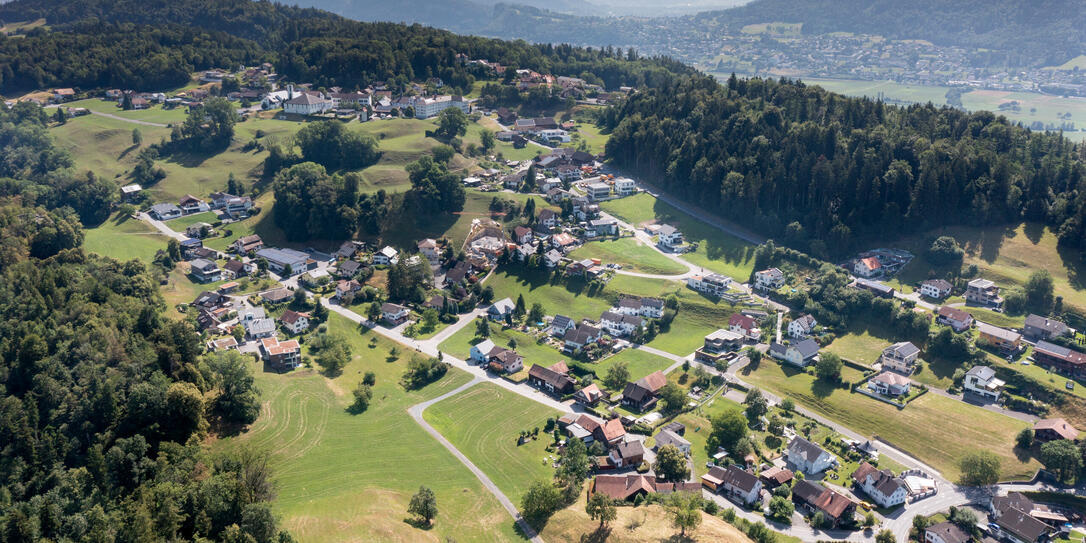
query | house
[276, 296]
[627, 454]
[348, 249]
[281, 355]
[256, 323]
[348, 268]
[480, 352]
[561, 324]
[522, 235]
[900, 357]
[670, 237]
[210, 300]
[280, 260]
[981, 380]
[889, 383]
[603, 227]
[130, 192]
[191, 204]
[802, 327]
[165, 211]
[878, 289]
[547, 218]
[955, 318]
[652, 308]
[641, 394]
[394, 314]
[946, 532]
[610, 432]
[629, 486]
[295, 322]
[598, 191]
[428, 249]
[588, 396]
[774, 477]
[551, 380]
[238, 205]
[1060, 358]
[1014, 514]
[1053, 429]
[1005, 340]
[247, 244]
[867, 267]
[734, 482]
[936, 289]
[501, 310]
[308, 104]
[881, 485]
[386, 256]
[770, 279]
[983, 292]
[552, 258]
[712, 284]
[667, 437]
[504, 360]
[799, 354]
[347, 286]
[188, 248]
[204, 271]
[717, 343]
[619, 325]
[836, 508]
[581, 336]
[746, 325]
[808, 457]
[222, 344]
[1038, 327]
[198, 230]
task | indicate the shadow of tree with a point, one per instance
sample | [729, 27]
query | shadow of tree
[599, 535]
[421, 524]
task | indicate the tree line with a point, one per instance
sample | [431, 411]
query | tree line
[822, 172]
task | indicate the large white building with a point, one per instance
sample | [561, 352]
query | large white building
[426, 107]
[307, 104]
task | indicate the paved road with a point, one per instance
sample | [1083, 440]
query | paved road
[127, 120]
[161, 227]
[644, 237]
[416, 413]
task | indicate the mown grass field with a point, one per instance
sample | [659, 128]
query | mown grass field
[640, 364]
[937, 430]
[1048, 108]
[484, 422]
[631, 254]
[717, 251]
[344, 477]
[124, 240]
[646, 524]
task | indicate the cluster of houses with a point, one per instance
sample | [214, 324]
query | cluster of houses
[627, 453]
[229, 205]
[217, 312]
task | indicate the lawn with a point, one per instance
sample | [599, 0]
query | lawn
[640, 364]
[124, 240]
[631, 254]
[153, 114]
[937, 430]
[341, 475]
[181, 223]
[459, 345]
[485, 422]
[645, 524]
[591, 135]
[717, 251]
[860, 346]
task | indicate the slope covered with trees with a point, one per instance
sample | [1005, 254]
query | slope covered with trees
[822, 171]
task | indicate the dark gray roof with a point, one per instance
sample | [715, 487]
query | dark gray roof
[1053, 327]
[741, 479]
[807, 348]
[806, 449]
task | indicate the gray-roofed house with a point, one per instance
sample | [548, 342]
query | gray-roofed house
[900, 357]
[808, 457]
[204, 271]
[501, 310]
[667, 437]
[800, 354]
[946, 532]
[256, 323]
[881, 485]
[165, 211]
[1038, 327]
[561, 324]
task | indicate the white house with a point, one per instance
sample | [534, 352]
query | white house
[624, 186]
[867, 267]
[307, 104]
[394, 314]
[889, 383]
[428, 249]
[426, 107]
[652, 308]
[981, 380]
[192, 204]
[165, 212]
[802, 327]
[386, 256]
[739, 484]
[670, 236]
[480, 352]
[900, 357]
[620, 325]
[554, 134]
[561, 324]
[712, 284]
[800, 354]
[935, 288]
[881, 485]
[295, 322]
[946, 532]
[770, 279]
[501, 309]
[746, 325]
[808, 457]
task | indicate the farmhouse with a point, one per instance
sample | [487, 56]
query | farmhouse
[936, 289]
[800, 354]
[955, 318]
[588, 396]
[248, 244]
[770, 279]
[900, 357]
[641, 394]
[1015, 516]
[981, 380]
[555, 379]
[504, 360]
[1060, 358]
[712, 284]
[885, 489]
[802, 327]
[629, 486]
[808, 457]
[774, 477]
[734, 482]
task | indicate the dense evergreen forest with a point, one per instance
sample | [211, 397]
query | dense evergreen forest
[822, 171]
[149, 45]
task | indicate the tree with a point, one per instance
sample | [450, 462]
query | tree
[1062, 457]
[757, 405]
[429, 318]
[1039, 292]
[671, 464]
[600, 507]
[727, 429]
[964, 518]
[1025, 438]
[828, 367]
[540, 501]
[685, 509]
[979, 468]
[451, 123]
[945, 251]
[482, 327]
[781, 509]
[536, 314]
[672, 397]
[885, 536]
[443, 153]
[617, 376]
[869, 519]
[332, 145]
[788, 405]
[137, 137]
[434, 189]
[60, 116]
[363, 393]
[173, 249]
[486, 138]
[519, 309]
[238, 399]
[373, 311]
[423, 505]
[334, 355]
[209, 127]
[574, 467]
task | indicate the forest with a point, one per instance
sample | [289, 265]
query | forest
[822, 172]
[129, 44]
